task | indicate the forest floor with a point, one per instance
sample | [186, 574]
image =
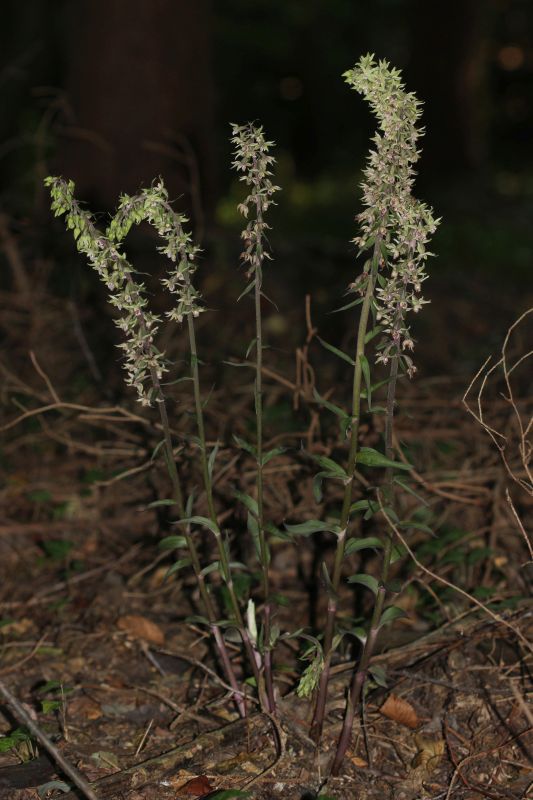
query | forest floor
[95, 640]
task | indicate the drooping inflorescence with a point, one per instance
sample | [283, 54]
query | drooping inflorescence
[142, 359]
[402, 223]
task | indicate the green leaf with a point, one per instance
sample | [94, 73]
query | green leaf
[331, 466]
[211, 461]
[330, 406]
[156, 449]
[354, 545]
[249, 502]
[253, 528]
[390, 614]
[157, 503]
[247, 289]
[250, 347]
[379, 675]
[336, 351]
[394, 586]
[203, 521]
[410, 490]
[398, 551]
[373, 333]
[245, 446]
[417, 526]
[369, 457]
[50, 705]
[348, 305]
[365, 367]
[309, 527]
[180, 564]
[359, 634]
[277, 451]
[365, 580]
[330, 590]
[359, 505]
[317, 485]
[172, 542]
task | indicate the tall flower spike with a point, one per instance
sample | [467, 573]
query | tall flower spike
[404, 224]
[141, 356]
[252, 159]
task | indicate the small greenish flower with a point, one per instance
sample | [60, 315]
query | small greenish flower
[252, 159]
[403, 224]
[142, 359]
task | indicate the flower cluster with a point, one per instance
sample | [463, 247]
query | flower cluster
[393, 220]
[252, 159]
[152, 205]
[142, 359]
[144, 364]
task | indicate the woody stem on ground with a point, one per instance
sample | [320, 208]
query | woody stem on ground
[360, 674]
[222, 553]
[320, 707]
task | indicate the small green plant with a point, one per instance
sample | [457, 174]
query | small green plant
[253, 160]
[394, 232]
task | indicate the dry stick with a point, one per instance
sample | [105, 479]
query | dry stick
[25, 719]
[222, 553]
[318, 718]
[360, 674]
[496, 617]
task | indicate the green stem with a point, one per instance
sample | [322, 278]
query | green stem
[320, 707]
[193, 553]
[258, 396]
[208, 485]
[360, 674]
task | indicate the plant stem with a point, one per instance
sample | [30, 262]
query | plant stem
[320, 707]
[177, 493]
[361, 672]
[222, 553]
[258, 394]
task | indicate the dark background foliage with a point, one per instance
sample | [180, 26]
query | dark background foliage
[114, 93]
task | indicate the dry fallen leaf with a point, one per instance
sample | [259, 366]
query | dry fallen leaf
[196, 787]
[84, 707]
[401, 711]
[358, 762]
[141, 628]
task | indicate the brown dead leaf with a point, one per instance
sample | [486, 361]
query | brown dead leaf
[401, 711]
[141, 628]
[196, 787]
[358, 762]
[84, 707]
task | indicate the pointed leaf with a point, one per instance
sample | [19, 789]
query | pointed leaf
[245, 446]
[172, 542]
[308, 528]
[181, 564]
[354, 545]
[331, 466]
[390, 614]
[373, 458]
[330, 591]
[379, 675]
[203, 521]
[277, 451]
[249, 502]
[365, 580]
[336, 351]
[365, 368]
[157, 503]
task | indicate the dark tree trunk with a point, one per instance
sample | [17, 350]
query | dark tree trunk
[140, 87]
